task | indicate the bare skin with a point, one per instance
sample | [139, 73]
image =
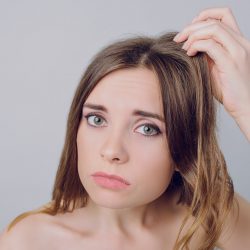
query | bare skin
[63, 231]
[216, 32]
[73, 230]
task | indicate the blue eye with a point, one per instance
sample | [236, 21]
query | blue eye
[148, 131]
[96, 119]
[148, 128]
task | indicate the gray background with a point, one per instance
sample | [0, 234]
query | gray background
[44, 48]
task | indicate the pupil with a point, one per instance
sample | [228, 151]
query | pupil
[97, 119]
[146, 128]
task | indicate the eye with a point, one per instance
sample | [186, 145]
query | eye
[148, 128]
[95, 121]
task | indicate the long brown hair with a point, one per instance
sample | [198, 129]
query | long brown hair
[190, 118]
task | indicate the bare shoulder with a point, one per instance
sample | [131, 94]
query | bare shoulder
[236, 231]
[27, 233]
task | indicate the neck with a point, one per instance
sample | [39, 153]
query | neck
[124, 221]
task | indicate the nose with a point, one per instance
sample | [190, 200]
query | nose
[113, 149]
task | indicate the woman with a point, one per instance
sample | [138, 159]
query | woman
[141, 167]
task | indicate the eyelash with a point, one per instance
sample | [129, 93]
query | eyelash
[146, 124]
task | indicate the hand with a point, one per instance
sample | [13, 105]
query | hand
[216, 32]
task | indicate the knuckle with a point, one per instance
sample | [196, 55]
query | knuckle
[213, 21]
[202, 12]
[227, 10]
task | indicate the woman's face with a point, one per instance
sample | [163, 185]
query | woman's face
[118, 140]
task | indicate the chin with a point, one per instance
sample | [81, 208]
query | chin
[107, 199]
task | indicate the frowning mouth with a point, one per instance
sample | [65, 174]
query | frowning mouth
[110, 181]
[111, 177]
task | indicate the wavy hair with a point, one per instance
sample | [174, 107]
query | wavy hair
[187, 90]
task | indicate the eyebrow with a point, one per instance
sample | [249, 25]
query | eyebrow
[136, 112]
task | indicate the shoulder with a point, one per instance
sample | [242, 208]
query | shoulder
[236, 230]
[27, 233]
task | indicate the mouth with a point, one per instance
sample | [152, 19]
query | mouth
[111, 177]
[108, 181]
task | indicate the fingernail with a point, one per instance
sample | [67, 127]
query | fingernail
[184, 46]
[176, 38]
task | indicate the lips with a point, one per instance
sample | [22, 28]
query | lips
[111, 176]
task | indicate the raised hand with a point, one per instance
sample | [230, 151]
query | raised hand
[216, 32]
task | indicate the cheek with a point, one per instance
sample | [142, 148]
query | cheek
[87, 143]
[153, 175]
[154, 164]
[154, 155]
[85, 149]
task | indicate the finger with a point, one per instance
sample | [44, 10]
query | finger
[183, 35]
[219, 34]
[224, 15]
[216, 85]
[216, 55]
[214, 50]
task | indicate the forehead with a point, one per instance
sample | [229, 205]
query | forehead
[136, 87]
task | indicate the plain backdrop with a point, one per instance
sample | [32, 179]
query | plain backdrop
[45, 47]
